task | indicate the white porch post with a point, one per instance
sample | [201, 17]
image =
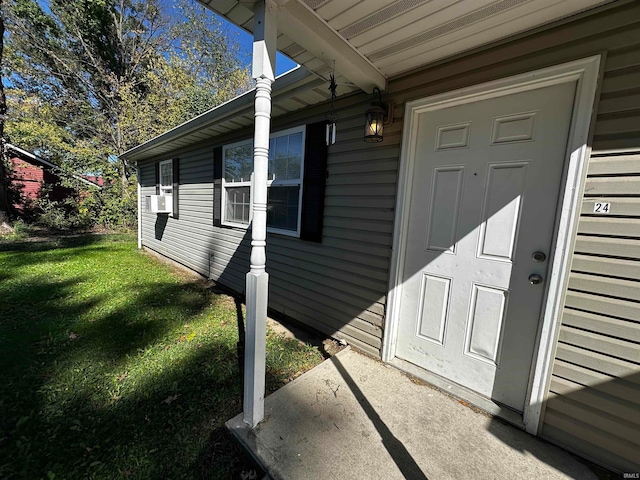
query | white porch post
[257, 279]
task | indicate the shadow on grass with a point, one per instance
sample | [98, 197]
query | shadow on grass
[54, 242]
[73, 404]
[54, 249]
[174, 430]
[30, 313]
[158, 308]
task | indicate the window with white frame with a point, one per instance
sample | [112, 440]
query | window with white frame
[166, 177]
[284, 184]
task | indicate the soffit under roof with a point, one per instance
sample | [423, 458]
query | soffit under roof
[293, 91]
[394, 36]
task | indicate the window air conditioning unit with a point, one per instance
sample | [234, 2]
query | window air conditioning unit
[161, 203]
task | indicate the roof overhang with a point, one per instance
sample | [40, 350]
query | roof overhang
[366, 41]
[291, 91]
[371, 41]
[297, 20]
[24, 153]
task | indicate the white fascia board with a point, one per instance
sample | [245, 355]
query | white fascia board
[31, 155]
[217, 114]
[303, 26]
[49, 164]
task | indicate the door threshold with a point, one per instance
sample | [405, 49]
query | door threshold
[480, 401]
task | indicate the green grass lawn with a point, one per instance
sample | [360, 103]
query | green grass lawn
[116, 366]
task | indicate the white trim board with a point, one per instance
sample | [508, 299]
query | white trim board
[585, 72]
[139, 189]
[49, 164]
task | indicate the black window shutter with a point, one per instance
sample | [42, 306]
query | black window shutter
[157, 167]
[315, 179]
[217, 186]
[176, 184]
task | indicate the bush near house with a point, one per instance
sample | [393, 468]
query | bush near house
[116, 366]
[111, 208]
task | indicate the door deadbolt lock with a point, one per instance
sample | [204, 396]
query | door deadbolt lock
[539, 256]
[535, 279]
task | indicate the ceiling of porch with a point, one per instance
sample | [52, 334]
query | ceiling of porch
[371, 41]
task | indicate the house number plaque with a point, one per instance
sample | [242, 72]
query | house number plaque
[602, 208]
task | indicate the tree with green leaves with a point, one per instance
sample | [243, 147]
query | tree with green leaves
[4, 199]
[216, 65]
[96, 62]
[78, 57]
[91, 79]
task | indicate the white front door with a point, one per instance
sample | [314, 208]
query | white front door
[485, 187]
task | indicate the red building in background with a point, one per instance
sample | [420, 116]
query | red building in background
[32, 175]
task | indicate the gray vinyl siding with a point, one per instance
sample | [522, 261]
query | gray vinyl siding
[594, 400]
[340, 285]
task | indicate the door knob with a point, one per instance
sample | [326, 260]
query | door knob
[535, 279]
[539, 256]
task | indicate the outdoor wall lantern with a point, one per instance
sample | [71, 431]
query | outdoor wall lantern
[375, 118]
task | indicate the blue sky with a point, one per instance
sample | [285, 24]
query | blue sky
[283, 63]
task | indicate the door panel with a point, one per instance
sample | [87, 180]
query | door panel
[445, 205]
[505, 187]
[485, 323]
[484, 193]
[434, 305]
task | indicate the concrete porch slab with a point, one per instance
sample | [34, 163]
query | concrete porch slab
[353, 417]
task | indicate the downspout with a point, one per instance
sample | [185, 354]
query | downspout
[257, 286]
[139, 208]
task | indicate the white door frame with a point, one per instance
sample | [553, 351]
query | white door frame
[585, 72]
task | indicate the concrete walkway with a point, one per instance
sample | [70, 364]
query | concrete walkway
[355, 418]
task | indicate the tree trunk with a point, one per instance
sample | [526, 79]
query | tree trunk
[5, 226]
